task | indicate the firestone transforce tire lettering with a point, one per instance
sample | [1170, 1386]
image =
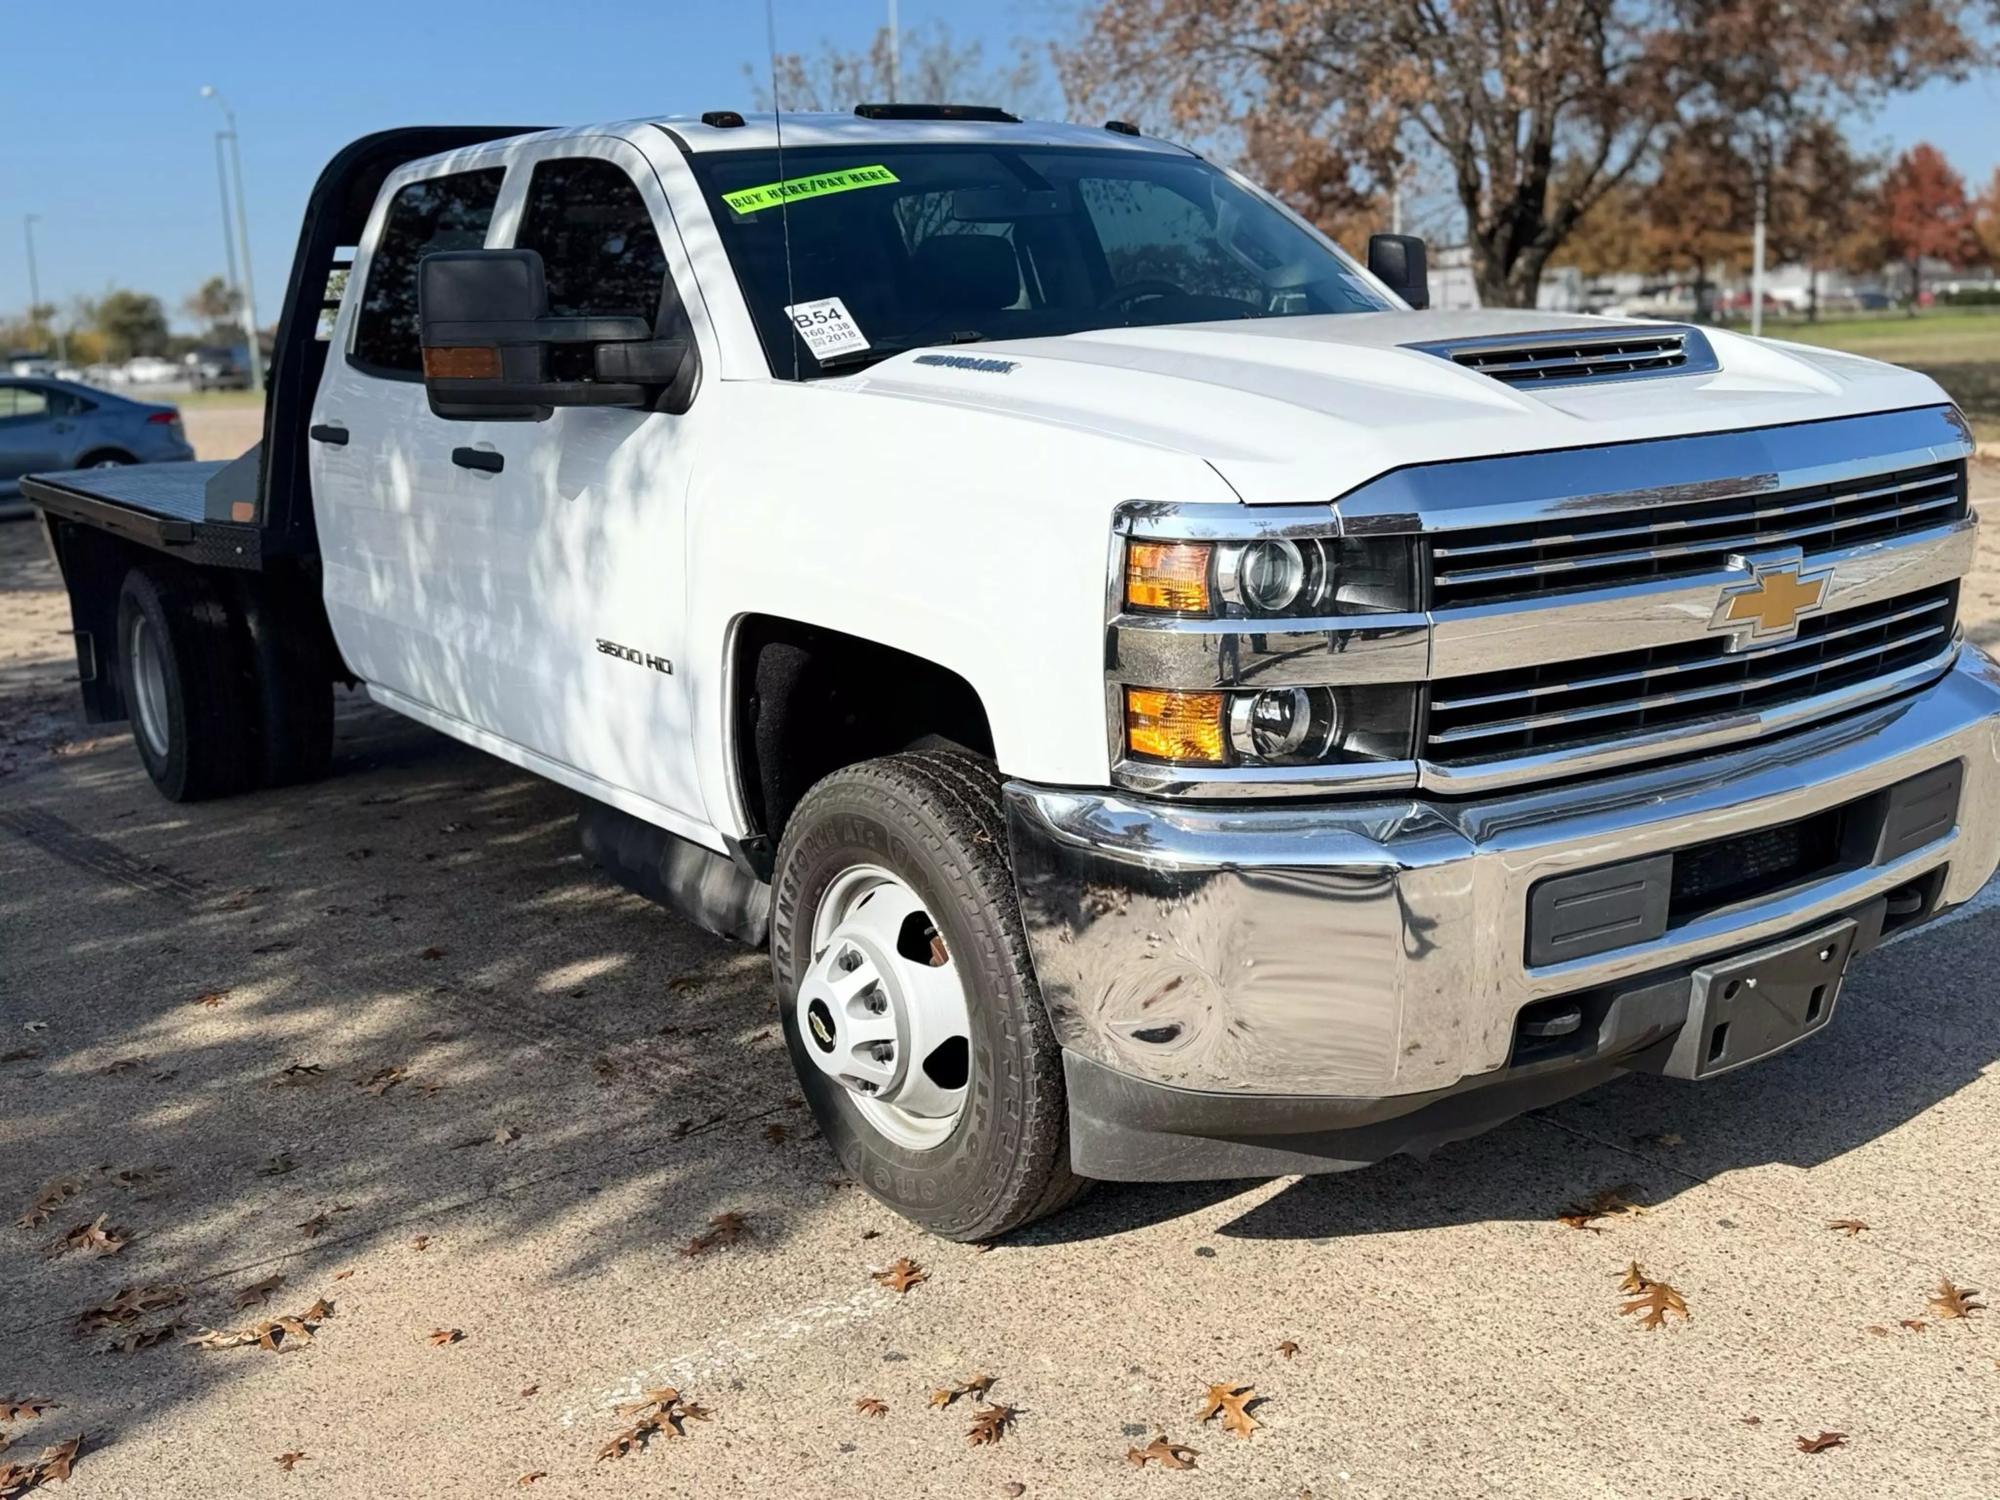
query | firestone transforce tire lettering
[934, 823]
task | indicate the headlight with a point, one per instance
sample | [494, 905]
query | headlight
[1284, 726]
[1271, 577]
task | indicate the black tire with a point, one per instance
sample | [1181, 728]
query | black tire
[106, 457]
[209, 728]
[294, 697]
[935, 821]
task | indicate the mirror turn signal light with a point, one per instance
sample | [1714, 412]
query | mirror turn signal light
[466, 362]
[1167, 576]
[1187, 728]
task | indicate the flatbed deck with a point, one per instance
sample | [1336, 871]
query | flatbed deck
[168, 507]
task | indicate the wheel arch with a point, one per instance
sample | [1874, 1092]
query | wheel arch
[802, 700]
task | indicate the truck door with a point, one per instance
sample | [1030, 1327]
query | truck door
[592, 502]
[404, 534]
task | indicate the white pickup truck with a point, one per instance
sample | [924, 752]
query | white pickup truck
[1175, 707]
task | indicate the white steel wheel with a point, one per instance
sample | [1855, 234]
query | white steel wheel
[149, 679]
[882, 1008]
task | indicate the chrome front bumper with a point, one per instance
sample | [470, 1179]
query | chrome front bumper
[1374, 949]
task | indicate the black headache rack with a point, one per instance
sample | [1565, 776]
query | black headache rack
[253, 513]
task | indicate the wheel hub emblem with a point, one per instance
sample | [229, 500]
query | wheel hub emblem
[819, 1020]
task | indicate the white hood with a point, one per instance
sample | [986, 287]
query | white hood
[1305, 409]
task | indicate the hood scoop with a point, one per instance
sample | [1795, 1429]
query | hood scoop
[1581, 356]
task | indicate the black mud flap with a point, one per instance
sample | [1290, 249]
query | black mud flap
[1750, 1006]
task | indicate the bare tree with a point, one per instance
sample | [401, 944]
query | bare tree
[933, 68]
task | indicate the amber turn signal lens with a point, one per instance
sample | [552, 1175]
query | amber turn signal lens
[1167, 575]
[472, 363]
[1183, 727]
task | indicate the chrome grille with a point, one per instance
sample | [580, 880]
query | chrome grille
[1571, 704]
[1487, 564]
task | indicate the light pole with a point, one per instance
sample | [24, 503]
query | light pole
[209, 91]
[1757, 235]
[28, 223]
[228, 234]
[895, 55]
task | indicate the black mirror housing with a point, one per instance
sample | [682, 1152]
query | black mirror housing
[486, 335]
[1400, 261]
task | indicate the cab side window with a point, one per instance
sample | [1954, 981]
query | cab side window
[599, 249]
[23, 403]
[439, 213]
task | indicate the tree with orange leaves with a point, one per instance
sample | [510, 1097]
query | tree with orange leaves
[1925, 215]
[1534, 110]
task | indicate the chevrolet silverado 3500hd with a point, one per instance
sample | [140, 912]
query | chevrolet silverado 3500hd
[1176, 706]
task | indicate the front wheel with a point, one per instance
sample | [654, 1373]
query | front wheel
[910, 1007]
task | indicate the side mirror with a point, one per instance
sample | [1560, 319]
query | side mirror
[488, 340]
[1399, 261]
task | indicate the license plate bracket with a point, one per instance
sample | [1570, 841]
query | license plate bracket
[1747, 1007]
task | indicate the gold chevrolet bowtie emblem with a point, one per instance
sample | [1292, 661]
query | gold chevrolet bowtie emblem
[1768, 608]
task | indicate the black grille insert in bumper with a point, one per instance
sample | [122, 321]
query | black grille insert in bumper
[1635, 901]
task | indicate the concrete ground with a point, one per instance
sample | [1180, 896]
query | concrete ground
[188, 996]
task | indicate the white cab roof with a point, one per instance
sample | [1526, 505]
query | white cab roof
[812, 129]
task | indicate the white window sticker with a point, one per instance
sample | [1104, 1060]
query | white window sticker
[826, 327]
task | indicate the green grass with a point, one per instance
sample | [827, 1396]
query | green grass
[1958, 348]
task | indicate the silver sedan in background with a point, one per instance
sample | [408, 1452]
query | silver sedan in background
[48, 425]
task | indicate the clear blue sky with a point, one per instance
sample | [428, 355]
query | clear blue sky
[103, 134]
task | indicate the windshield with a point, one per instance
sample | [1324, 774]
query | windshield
[896, 247]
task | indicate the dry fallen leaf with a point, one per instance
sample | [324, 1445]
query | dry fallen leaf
[135, 1339]
[278, 1165]
[903, 1275]
[1288, 1348]
[1915, 1325]
[257, 1292]
[382, 1080]
[1234, 1402]
[96, 1237]
[724, 1229]
[977, 1386]
[131, 1304]
[1823, 1442]
[1751, 1421]
[292, 1075]
[55, 1462]
[660, 1413]
[1848, 1227]
[315, 1224]
[278, 1335]
[1166, 1454]
[1655, 1298]
[530, 1477]
[870, 1406]
[442, 1336]
[288, 1461]
[342, 1275]
[122, 1065]
[431, 955]
[776, 1134]
[529, 1390]
[46, 1202]
[989, 1424]
[1949, 1302]
[1605, 1203]
[212, 998]
[420, 1242]
[25, 1408]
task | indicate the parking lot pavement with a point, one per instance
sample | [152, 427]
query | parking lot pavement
[585, 1083]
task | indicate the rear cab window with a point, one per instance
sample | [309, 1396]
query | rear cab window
[439, 213]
